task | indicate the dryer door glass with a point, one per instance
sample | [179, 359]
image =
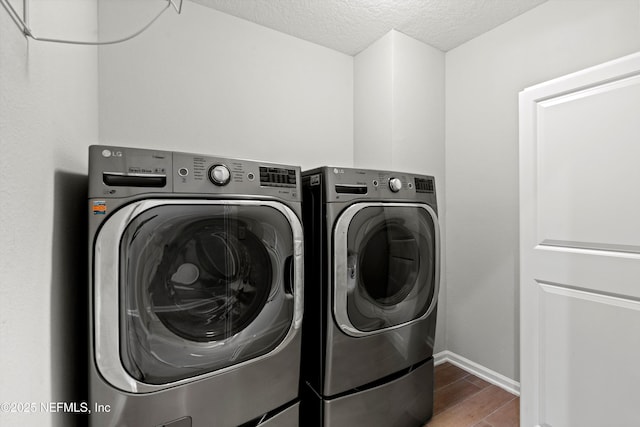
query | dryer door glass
[391, 266]
[203, 287]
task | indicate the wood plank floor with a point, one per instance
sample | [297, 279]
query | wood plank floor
[464, 400]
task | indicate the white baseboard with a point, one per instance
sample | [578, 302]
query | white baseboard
[478, 370]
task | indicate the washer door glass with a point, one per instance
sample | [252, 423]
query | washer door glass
[203, 287]
[391, 265]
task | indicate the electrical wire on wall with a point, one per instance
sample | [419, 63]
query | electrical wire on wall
[22, 22]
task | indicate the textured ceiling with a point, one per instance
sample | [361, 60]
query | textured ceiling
[350, 26]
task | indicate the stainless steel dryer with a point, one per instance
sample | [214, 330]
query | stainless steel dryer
[372, 254]
[196, 290]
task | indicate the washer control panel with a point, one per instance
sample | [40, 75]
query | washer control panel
[233, 176]
[117, 172]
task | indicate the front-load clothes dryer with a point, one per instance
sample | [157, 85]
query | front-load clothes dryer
[196, 290]
[372, 254]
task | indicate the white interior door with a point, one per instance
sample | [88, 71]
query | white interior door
[580, 248]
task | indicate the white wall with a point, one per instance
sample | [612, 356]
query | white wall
[483, 78]
[418, 108]
[211, 83]
[399, 118]
[48, 115]
[373, 105]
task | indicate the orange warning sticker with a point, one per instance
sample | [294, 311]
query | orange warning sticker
[99, 207]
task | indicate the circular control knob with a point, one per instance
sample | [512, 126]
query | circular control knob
[395, 184]
[219, 174]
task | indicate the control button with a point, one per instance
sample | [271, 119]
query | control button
[395, 184]
[219, 175]
[375, 183]
[251, 176]
[183, 171]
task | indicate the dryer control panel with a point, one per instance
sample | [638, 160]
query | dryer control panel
[343, 184]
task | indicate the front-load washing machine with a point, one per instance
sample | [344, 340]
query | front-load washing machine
[196, 290]
[372, 254]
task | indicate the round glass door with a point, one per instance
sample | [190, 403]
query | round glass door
[386, 266]
[389, 263]
[203, 287]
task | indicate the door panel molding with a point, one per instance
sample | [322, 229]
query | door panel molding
[622, 301]
[591, 248]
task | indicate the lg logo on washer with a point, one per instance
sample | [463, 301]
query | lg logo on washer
[109, 153]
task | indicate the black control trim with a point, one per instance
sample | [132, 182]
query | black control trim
[351, 189]
[277, 177]
[424, 185]
[138, 180]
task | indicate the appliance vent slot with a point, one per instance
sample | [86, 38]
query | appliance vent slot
[424, 185]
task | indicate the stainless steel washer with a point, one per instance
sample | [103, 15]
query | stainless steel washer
[196, 290]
